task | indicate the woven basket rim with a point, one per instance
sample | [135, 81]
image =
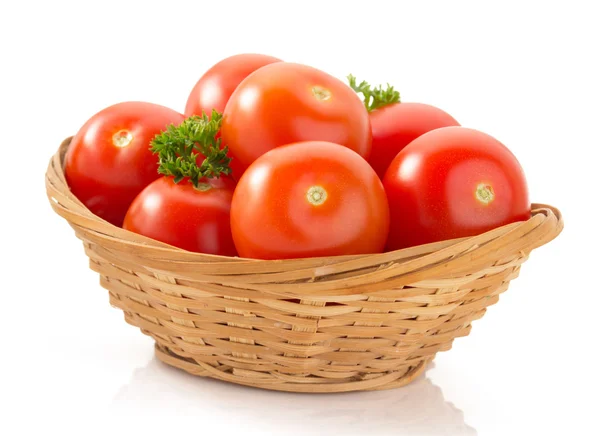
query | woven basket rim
[69, 207]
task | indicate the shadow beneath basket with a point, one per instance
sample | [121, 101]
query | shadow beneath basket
[416, 409]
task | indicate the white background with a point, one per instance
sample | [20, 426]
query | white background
[525, 73]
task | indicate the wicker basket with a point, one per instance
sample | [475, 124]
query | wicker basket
[311, 325]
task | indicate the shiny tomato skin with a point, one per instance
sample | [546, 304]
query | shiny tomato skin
[106, 177]
[283, 103]
[180, 215]
[213, 89]
[272, 216]
[439, 187]
[396, 125]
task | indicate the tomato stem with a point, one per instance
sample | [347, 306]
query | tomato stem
[320, 93]
[316, 195]
[484, 193]
[122, 138]
[203, 187]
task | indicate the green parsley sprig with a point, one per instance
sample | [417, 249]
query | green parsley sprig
[179, 147]
[376, 97]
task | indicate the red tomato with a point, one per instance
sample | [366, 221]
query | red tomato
[215, 87]
[309, 199]
[396, 125]
[450, 183]
[284, 103]
[183, 216]
[109, 160]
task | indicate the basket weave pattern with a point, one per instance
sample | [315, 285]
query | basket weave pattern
[310, 325]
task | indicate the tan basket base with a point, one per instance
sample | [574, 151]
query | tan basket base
[389, 380]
